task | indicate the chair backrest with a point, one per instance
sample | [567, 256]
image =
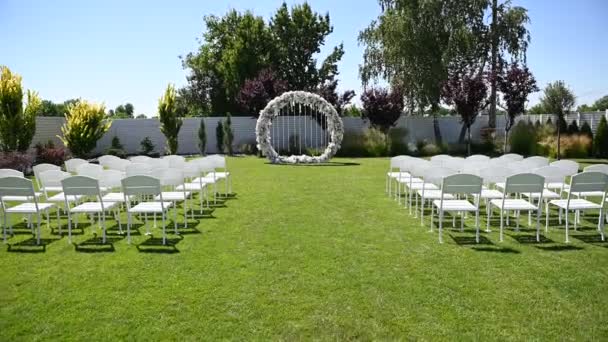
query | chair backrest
[512, 157]
[40, 168]
[10, 173]
[141, 185]
[406, 164]
[52, 178]
[524, 183]
[205, 165]
[175, 161]
[477, 158]
[461, 183]
[440, 157]
[118, 164]
[81, 185]
[139, 159]
[570, 166]
[473, 168]
[518, 167]
[552, 174]
[589, 181]
[191, 169]
[603, 168]
[454, 163]
[535, 162]
[499, 162]
[89, 170]
[420, 168]
[396, 161]
[158, 163]
[107, 159]
[218, 161]
[17, 186]
[171, 177]
[494, 174]
[110, 179]
[138, 169]
[71, 165]
[436, 175]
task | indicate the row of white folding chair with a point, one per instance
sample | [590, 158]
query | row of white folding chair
[394, 172]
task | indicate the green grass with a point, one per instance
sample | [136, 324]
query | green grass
[308, 252]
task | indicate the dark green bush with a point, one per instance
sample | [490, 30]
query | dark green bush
[522, 139]
[573, 127]
[147, 147]
[586, 131]
[397, 141]
[600, 141]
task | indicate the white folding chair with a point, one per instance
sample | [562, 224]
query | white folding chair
[477, 158]
[71, 165]
[405, 168]
[200, 176]
[553, 176]
[51, 183]
[138, 169]
[603, 168]
[173, 178]
[111, 180]
[88, 187]
[219, 163]
[569, 166]
[175, 161]
[417, 171]
[534, 162]
[393, 172]
[585, 182]
[458, 184]
[158, 163]
[140, 187]
[519, 184]
[433, 176]
[107, 160]
[118, 165]
[491, 176]
[21, 187]
[512, 157]
[89, 170]
[15, 173]
[40, 168]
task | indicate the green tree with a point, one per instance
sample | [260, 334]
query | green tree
[601, 104]
[600, 142]
[558, 99]
[170, 121]
[17, 124]
[413, 44]
[585, 108]
[228, 135]
[537, 109]
[219, 136]
[202, 137]
[297, 38]
[85, 125]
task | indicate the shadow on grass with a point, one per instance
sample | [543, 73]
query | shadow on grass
[96, 245]
[155, 245]
[496, 249]
[317, 165]
[592, 239]
[470, 240]
[560, 248]
[225, 197]
[30, 245]
[530, 239]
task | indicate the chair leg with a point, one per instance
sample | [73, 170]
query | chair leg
[175, 218]
[440, 225]
[488, 215]
[576, 214]
[38, 233]
[58, 221]
[546, 216]
[5, 220]
[103, 226]
[603, 225]
[164, 233]
[538, 223]
[567, 237]
[432, 215]
[462, 221]
[501, 225]
[477, 225]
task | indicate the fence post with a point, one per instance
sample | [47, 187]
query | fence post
[578, 119]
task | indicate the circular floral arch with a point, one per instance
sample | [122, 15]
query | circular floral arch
[289, 99]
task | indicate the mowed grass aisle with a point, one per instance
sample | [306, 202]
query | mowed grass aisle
[309, 252]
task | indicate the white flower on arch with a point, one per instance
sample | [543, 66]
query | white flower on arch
[273, 109]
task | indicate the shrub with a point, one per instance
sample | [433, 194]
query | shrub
[523, 139]
[573, 146]
[202, 137]
[17, 126]
[573, 128]
[375, 143]
[396, 140]
[170, 122]
[586, 131]
[17, 160]
[381, 107]
[430, 149]
[51, 154]
[219, 136]
[116, 144]
[352, 145]
[250, 148]
[600, 143]
[228, 135]
[117, 152]
[85, 124]
[147, 147]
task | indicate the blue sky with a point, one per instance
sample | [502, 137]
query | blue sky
[127, 51]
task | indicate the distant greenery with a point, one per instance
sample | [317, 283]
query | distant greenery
[558, 99]
[85, 124]
[170, 118]
[122, 112]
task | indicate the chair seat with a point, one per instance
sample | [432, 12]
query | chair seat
[397, 174]
[21, 198]
[53, 188]
[489, 194]
[576, 204]
[150, 207]
[409, 179]
[419, 186]
[500, 186]
[191, 186]
[61, 198]
[174, 196]
[546, 194]
[28, 208]
[116, 197]
[586, 193]
[556, 185]
[221, 174]
[434, 194]
[204, 180]
[93, 207]
[455, 205]
[514, 204]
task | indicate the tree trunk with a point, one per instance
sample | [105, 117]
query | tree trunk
[494, 65]
[463, 132]
[558, 137]
[469, 141]
[506, 141]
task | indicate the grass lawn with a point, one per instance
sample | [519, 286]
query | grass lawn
[307, 252]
